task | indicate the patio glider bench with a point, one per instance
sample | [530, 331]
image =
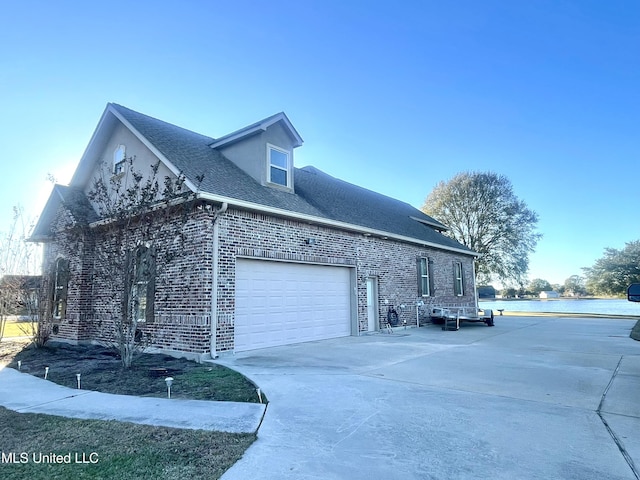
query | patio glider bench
[451, 317]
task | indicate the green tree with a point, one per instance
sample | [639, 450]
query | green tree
[483, 213]
[574, 285]
[615, 270]
[509, 292]
[538, 285]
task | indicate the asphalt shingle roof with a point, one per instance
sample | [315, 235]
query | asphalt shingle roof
[77, 203]
[316, 193]
[345, 202]
[191, 154]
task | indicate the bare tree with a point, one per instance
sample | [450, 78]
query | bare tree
[138, 236]
[32, 303]
[17, 258]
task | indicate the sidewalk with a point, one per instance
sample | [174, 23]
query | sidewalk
[25, 393]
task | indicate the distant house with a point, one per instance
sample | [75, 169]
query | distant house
[18, 293]
[549, 294]
[486, 291]
[272, 255]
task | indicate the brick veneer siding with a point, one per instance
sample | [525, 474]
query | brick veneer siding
[393, 263]
[182, 319]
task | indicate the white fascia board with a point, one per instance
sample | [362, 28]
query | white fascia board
[259, 127]
[282, 117]
[47, 215]
[153, 149]
[95, 138]
[327, 222]
[239, 135]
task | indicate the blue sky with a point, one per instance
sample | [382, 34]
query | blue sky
[392, 96]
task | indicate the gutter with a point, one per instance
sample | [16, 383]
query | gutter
[311, 219]
[214, 279]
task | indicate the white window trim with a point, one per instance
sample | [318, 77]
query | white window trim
[140, 299]
[459, 279]
[119, 160]
[269, 165]
[58, 287]
[425, 274]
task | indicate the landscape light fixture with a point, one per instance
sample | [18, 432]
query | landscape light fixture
[46, 372]
[78, 379]
[168, 381]
[19, 365]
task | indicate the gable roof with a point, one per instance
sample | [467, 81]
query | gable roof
[76, 203]
[191, 154]
[258, 127]
[318, 198]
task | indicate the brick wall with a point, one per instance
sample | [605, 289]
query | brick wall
[394, 264]
[183, 285]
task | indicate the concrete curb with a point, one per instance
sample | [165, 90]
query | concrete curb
[25, 393]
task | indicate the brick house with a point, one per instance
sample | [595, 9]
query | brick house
[272, 254]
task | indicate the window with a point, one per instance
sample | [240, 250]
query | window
[458, 284]
[424, 277]
[60, 283]
[140, 300]
[278, 166]
[119, 159]
[142, 284]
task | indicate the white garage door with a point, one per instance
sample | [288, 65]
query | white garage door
[281, 303]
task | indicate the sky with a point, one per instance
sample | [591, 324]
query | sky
[392, 96]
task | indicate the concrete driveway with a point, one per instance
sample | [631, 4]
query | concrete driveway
[530, 398]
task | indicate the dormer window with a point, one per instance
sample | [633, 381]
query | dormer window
[279, 166]
[119, 159]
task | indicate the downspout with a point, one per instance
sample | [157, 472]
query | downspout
[214, 279]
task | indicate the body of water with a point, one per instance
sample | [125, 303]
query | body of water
[562, 305]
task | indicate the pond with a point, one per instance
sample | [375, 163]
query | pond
[566, 305]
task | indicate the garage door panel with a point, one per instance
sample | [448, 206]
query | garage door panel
[280, 303]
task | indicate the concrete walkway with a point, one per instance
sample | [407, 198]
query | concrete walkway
[531, 398]
[25, 393]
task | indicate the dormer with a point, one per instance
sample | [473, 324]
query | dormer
[264, 150]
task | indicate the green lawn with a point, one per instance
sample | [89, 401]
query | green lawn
[122, 450]
[17, 329]
[119, 450]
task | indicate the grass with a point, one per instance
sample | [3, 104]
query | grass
[100, 370]
[122, 450]
[17, 329]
